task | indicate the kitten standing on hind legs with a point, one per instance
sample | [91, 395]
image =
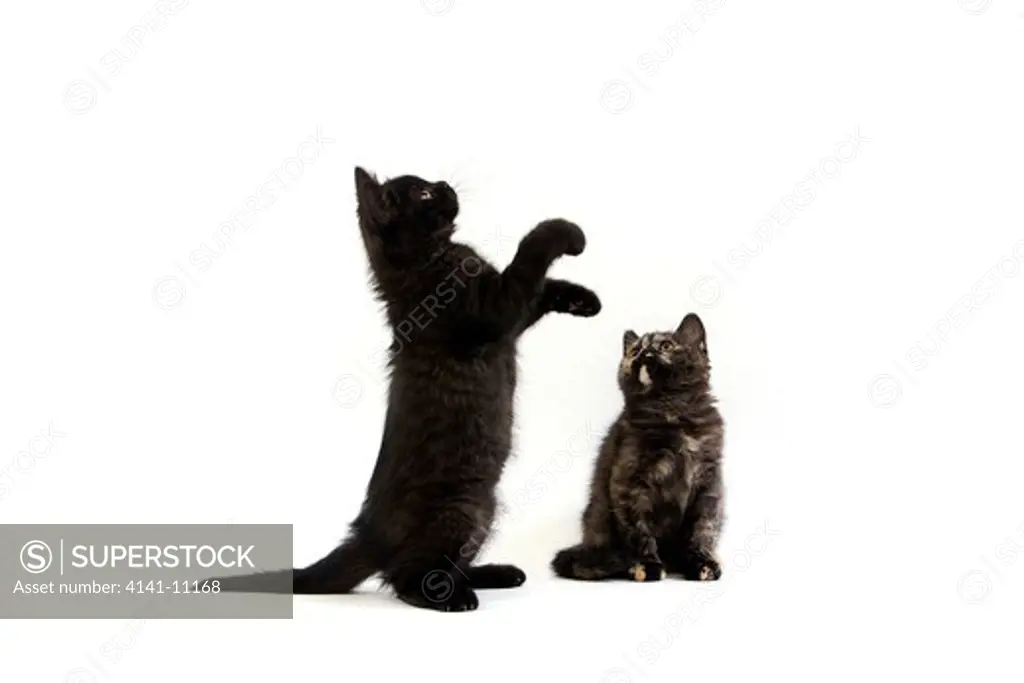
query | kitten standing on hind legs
[656, 504]
[455, 322]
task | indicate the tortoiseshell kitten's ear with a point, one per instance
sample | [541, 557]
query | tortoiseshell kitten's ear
[691, 333]
[629, 337]
[373, 205]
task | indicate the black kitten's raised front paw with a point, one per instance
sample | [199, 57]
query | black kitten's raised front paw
[568, 297]
[647, 570]
[486, 576]
[699, 567]
[565, 237]
[441, 591]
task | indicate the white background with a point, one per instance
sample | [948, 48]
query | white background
[873, 440]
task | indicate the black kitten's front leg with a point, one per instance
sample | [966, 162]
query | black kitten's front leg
[541, 247]
[511, 299]
[561, 296]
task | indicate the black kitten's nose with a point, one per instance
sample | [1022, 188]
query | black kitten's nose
[446, 189]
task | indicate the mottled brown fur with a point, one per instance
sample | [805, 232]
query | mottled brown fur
[656, 498]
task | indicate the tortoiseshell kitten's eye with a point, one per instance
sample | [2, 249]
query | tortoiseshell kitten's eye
[666, 345]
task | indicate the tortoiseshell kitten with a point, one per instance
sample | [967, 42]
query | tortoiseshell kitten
[455, 322]
[656, 502]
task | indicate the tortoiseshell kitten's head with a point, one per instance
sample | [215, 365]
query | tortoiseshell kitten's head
[408, 218]
[661, 363]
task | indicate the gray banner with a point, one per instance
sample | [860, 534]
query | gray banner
[157, 571]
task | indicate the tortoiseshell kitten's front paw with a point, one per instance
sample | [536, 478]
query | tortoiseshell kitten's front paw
[700, 567]
[560, 296]
[647, 570]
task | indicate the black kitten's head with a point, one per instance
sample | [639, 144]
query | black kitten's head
[665, 362]
[407, 214]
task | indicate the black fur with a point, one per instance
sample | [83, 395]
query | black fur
[447, 434]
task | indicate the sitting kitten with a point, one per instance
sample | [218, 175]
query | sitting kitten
[448, 429]
[656, 495]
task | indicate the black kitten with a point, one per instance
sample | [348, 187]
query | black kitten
[448, 429]
[656, 496]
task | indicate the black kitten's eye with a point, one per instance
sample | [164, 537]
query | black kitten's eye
[426, 194]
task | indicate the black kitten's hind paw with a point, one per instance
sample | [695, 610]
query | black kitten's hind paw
[647, 570]
[440, 591]
[700, 568]
[487, 576]
[560, 296]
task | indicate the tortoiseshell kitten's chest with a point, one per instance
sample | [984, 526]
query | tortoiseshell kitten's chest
[665, 468]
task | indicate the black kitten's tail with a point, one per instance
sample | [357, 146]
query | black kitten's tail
[343, 569]
[594, 563]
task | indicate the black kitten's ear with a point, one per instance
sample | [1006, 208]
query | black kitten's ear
[366, 183]
[629, 338]
[368, 192]
[691, 332]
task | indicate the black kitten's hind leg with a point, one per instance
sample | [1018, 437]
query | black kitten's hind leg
[597, 563]
[443, 590]
[433, 572]
[487, 576]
